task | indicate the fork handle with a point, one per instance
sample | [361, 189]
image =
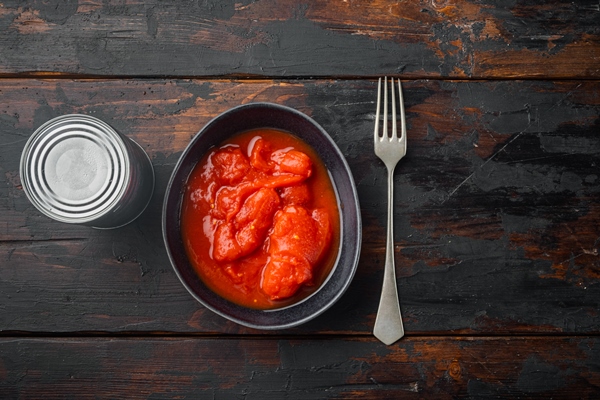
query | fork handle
[388, 323]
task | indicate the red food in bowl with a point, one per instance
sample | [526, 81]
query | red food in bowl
[346, 239]
[260, 220]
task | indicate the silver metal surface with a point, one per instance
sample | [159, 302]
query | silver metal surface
[77, 169]
[390, 149]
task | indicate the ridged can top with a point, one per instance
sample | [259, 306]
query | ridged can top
[75, 168]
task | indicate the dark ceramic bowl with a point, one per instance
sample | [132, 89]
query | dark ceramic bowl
[236, 120]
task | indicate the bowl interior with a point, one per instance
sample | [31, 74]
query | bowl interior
[236, 120]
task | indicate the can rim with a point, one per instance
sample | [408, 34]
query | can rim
[35, 191]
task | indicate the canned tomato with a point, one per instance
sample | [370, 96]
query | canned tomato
[77, 169]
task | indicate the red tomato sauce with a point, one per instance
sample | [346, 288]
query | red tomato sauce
[260, 219]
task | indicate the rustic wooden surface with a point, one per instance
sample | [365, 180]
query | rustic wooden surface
[434, 38]
[497, 202]
[317, 368]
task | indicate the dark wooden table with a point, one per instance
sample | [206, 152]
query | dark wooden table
[497, 208]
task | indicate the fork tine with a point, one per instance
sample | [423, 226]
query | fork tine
[376, 135]
[394, 128]
[385, 108]
[402, 116]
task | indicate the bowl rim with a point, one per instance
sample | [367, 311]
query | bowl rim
[354, 209]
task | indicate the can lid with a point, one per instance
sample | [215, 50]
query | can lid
[74, 168]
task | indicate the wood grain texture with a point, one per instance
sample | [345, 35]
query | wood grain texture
[443, 368]
[497, 207]
[497, 202]
[428, 38]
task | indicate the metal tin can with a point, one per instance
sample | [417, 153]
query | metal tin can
[77, 169]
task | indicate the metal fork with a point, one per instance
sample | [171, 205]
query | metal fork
[390, 149]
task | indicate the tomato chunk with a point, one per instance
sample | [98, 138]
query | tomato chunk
[260, 155]
[295, 195]
[248, 230]
[229, 200]
[255, 218]
[296, 244]
[230, 165]
[284, 274]
[324, 230]
[296, 162]
[295, 231]
[225, 245]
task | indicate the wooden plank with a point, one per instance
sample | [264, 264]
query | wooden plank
[497, 213]
[299, 369]
[440, 38]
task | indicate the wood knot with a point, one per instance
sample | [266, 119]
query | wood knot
[454, 370]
